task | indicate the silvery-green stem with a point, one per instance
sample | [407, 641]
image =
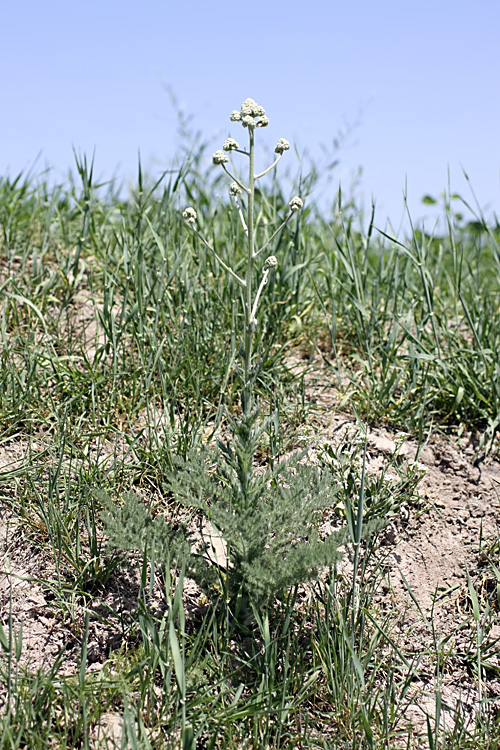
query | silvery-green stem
[229, 270]
[271, 238]
[266, 171]
[249, 322]
[231, 175]
[262, 284]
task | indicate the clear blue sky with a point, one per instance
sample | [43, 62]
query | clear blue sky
[419, 80]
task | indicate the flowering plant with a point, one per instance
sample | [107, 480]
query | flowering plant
[259, 531]
[251, 116]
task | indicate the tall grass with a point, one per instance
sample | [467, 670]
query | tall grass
[418, 321]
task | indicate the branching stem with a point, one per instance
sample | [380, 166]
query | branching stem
[271, 238]
[241, 215]
[262, 174]
[262, 284]
[231, 175]
[229, 270]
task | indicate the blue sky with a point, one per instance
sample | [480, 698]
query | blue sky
[415, 85]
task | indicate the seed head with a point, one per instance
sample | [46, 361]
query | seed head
[220, 157]
[234, 189]
[281, 146]
[189, 214]
[296, 203]
[230, 144]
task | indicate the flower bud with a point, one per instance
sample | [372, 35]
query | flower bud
[189, 214]
[230, 144]
[263, 122]
[220, 157]
[235, 116]
[281, 146]
[296, 203]
[271, 262]
[249, 107]
[248, 122]
[234, 189]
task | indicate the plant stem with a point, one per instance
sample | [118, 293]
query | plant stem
[249, 322]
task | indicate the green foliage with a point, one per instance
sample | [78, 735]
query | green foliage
[414, 322]
[269, 521]
[384, 492]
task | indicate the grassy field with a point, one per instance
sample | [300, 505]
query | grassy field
[119, 343]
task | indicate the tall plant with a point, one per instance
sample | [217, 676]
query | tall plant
[258, 531]
[251, 116]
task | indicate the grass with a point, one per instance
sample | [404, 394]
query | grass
[118, 343]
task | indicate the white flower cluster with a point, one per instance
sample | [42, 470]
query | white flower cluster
[251, 115]
[234, 189]
[296, 203]
[189, 214]
[230, 144]
[281, 146]
[271, 262]
[220, 157]
[249, 107]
